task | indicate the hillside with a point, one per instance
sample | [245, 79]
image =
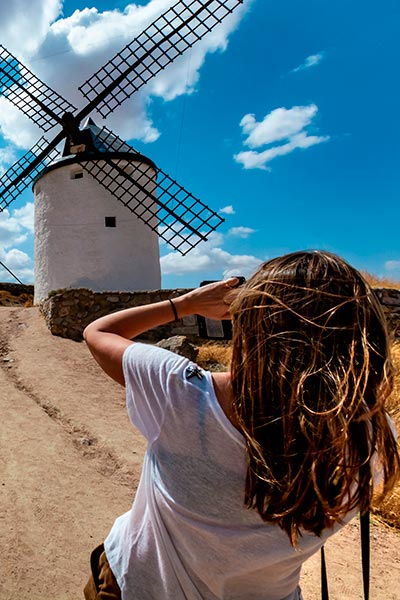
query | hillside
[70, 462]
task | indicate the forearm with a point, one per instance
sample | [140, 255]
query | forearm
[209, 301]
[131, 322]
[109, 336]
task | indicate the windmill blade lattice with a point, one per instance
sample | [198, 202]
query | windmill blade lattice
[169, 36]
[178, 217]
[175, 214]
[12, 184]
[28, 93]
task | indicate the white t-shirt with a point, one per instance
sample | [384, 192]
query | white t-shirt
[188, 535]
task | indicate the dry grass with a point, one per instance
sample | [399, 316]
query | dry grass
[389, 509]
[382, 282]
[394, 400]
[8, 299]
[215, 356]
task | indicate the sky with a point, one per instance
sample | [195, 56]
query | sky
[284, 120]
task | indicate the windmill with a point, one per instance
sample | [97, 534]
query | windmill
[108, 186]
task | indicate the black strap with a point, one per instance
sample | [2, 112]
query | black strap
[365, 552]
[365, 558]
[324, 578]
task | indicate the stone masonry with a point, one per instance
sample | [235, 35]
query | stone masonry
[67, 312]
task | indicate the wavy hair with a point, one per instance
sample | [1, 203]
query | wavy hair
[311, 372]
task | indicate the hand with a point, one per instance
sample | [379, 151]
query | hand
[109, 336]
[212, 301]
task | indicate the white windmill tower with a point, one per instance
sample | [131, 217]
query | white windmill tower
[84, 234]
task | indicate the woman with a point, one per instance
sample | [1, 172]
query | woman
[248, 472]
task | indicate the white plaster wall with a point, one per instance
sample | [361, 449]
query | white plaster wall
[73, 248]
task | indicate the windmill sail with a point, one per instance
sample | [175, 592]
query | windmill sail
[179, 218]
[168, 37]
[15, 181]
[28, 93]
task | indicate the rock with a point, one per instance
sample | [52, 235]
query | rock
[180, 345]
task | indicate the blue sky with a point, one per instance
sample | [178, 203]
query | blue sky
[290, 128]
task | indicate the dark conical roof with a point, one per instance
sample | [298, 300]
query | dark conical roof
[93, 144]
[99, 139]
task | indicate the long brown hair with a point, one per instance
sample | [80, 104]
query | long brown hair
[310, 374]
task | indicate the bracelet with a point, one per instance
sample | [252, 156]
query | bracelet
[173, 309]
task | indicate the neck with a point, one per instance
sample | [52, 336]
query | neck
[223, 391]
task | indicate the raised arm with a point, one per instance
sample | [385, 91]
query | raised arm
[109, 336]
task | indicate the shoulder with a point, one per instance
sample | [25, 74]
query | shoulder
[149, 356]
[148, 363]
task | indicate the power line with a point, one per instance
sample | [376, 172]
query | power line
[11, 273]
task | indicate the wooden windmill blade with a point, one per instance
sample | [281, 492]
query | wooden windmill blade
[168, 37]
[28, 93]
[43, 106]
[22, 173]
[179, 218]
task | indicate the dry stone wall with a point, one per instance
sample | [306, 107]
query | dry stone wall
[67, 312]
[390, 300]
[16, 289]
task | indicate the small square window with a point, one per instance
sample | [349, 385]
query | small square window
[77, 175]
[110, 222]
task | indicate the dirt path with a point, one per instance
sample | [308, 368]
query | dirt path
[69, 464]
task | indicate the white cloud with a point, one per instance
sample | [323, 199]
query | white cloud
[64, 52]
[11, 231]
[25, 216]
[33, 18]
[392, 265]
[258, 160]
[19, 263]
[208, 257]
[15, 228]
[280, 124]
[311, 61]
[17, 259]
[7, 158]
[241, 232]
[15, 127]
[227, 210]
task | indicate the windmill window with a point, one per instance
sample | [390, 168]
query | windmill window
[77, 175]
[110, 221]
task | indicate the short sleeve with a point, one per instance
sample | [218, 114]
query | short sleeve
[148, 372]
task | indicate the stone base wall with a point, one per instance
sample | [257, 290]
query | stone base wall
[67, 312]
[16, 289]
[390, 300]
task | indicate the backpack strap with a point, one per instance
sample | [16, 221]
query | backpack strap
[365, 559]
[365, 551]
[324, 578]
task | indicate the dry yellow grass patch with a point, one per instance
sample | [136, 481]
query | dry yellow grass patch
[383, 282]
[215, 356]
[394, 400]
[389, 509]
[8, 299]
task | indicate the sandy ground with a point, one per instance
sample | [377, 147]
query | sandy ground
[70, 462]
